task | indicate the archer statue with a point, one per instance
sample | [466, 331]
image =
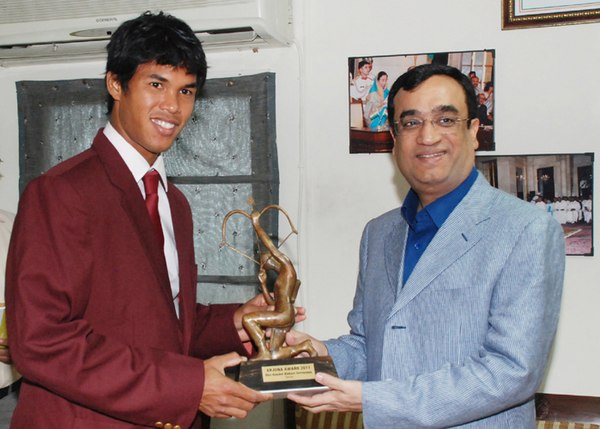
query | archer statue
[281, 319]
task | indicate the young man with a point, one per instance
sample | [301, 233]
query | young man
[101, 290]
[459, 289]
[363, 82]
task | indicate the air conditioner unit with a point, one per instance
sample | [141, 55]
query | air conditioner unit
[50, 30]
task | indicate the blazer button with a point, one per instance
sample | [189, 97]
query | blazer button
[158, 425]
[168, 426]
[176, 427]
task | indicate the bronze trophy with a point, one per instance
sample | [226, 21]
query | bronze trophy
[274, 368]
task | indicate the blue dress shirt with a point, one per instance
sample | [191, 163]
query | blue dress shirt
[424, 224]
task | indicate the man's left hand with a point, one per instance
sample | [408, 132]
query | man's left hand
[345, 395]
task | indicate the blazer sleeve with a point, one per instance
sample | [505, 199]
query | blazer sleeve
[523, 316]
[215, 332]
[49, 272]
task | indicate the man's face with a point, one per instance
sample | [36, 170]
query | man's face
[435, 160]
[475, 81]
[155, 107]
[366, 69]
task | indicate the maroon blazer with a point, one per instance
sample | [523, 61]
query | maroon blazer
[91, 320]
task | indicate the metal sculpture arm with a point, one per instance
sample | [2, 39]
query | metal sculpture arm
[262, 235]
[267, 238]
[262, 273]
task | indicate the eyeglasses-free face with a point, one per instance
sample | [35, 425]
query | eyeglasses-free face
[435, 142]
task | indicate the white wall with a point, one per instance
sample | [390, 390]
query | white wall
[546, 102]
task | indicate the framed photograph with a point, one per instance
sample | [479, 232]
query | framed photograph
[369, 80]
[561, 185]
[542, 13]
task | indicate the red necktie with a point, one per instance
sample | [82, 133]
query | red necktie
[151, 180]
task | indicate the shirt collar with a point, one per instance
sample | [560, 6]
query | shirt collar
[136, 163]
[440, 209]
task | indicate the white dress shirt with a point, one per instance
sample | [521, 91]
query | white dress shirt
[139, 167]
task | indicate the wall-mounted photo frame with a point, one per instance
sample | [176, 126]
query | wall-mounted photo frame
[369, 80]
[560, 184]
[542, 13]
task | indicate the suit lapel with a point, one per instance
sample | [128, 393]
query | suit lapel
[133, 204]
[394, 255]
[187, 279]
[461, 231]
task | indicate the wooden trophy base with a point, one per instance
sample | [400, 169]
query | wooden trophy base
[283, 376]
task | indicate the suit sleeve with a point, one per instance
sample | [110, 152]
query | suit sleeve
[509, 366]
[49, 274]
[215, 332]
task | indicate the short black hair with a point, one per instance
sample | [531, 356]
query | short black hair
[417, 75]
[159, 38]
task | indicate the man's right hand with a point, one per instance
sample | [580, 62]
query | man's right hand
[296, 337]
[224, 398]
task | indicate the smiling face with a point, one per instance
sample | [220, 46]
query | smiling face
[154, 108]
[435, 160]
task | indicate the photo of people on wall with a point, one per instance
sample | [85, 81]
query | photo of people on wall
[561, 185]
[369, 79]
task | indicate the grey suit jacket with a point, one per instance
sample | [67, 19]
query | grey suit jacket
[464, 343]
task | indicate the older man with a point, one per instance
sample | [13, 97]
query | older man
[459, 289]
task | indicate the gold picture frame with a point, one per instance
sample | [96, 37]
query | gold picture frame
[524, 14]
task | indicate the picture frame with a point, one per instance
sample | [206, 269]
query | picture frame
[560, 184]
[369, 129]
[517, 14]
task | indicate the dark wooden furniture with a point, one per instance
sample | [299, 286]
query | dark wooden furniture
[567, 408]
[367, 141]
